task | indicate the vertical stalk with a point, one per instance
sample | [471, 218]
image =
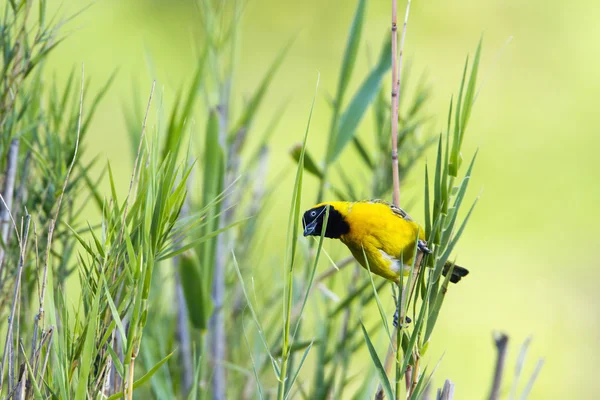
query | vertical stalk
[394, 111]
[183, 333]
[399, 354]
[285, 350]
[7, 194]
[8, 344]
[129, 388]
[217, 335]
[396, 74]
[501, 342]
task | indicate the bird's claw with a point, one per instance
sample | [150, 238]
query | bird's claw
[406, 319]
[422, 245]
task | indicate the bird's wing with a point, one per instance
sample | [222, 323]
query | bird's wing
[396, 210]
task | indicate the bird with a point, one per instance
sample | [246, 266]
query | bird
[380, 236]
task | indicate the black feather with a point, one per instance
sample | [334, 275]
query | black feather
[457, 273]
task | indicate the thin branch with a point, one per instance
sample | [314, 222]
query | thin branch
[9, 332]
[52, 223]
[396, 74]
[36, 320]
[50, 335]
[501, 341]
[64, 188]
[344, 262]
[394, 111]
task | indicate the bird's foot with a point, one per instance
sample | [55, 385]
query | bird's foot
[406, 319]
[422, 245]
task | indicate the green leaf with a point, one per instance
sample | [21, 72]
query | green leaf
[113, 311]
[32, 378]
[427, 205]
[351, 51]
[382, 313]
[198, 302]
[354, 112]
[255, 316]
[290, 253]
[213, 180]
[436, 306]
[362, 151]
[89, 348]
[192, 243]
[177, 122]
[454, 157]
[470, 94]
[309, 163]
[414, 335]
[116, 361]
[295, 376]
[312, 274]
[385, 383]
[252, 106]
[254, 370]
[144, 378]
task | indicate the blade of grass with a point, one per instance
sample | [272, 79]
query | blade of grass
[87, 361]
[387, 387]
[291, 243]
[255, 316]
[536, 372]
[144, 378]
[295, 376]
[382, 313]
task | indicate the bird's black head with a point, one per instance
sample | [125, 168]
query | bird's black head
[313, 221]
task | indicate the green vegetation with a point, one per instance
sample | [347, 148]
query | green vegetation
[157, 297]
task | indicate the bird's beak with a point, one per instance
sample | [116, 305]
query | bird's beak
[310, 228]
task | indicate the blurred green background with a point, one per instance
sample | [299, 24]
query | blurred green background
[529, 242]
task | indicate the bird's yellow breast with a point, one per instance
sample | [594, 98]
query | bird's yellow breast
[388, 239]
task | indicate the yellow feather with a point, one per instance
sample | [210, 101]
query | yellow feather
[382, 232]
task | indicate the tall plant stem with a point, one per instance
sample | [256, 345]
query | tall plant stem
[9, 187]
[129, 387]
[217, 334]
[396, 73]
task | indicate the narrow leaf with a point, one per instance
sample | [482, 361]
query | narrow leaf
[378, 366]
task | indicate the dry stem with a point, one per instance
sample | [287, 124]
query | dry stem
[9, 187]
[394, 111]
[129, 384]
[501, 341]
[396, 74]
[8, 348]
[447, 392]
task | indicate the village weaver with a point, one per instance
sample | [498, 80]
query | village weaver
[382, 232]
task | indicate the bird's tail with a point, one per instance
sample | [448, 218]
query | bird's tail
[457, 273]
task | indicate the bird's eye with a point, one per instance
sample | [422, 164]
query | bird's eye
[313, 213]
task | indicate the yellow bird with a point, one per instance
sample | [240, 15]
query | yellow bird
[385, 232]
